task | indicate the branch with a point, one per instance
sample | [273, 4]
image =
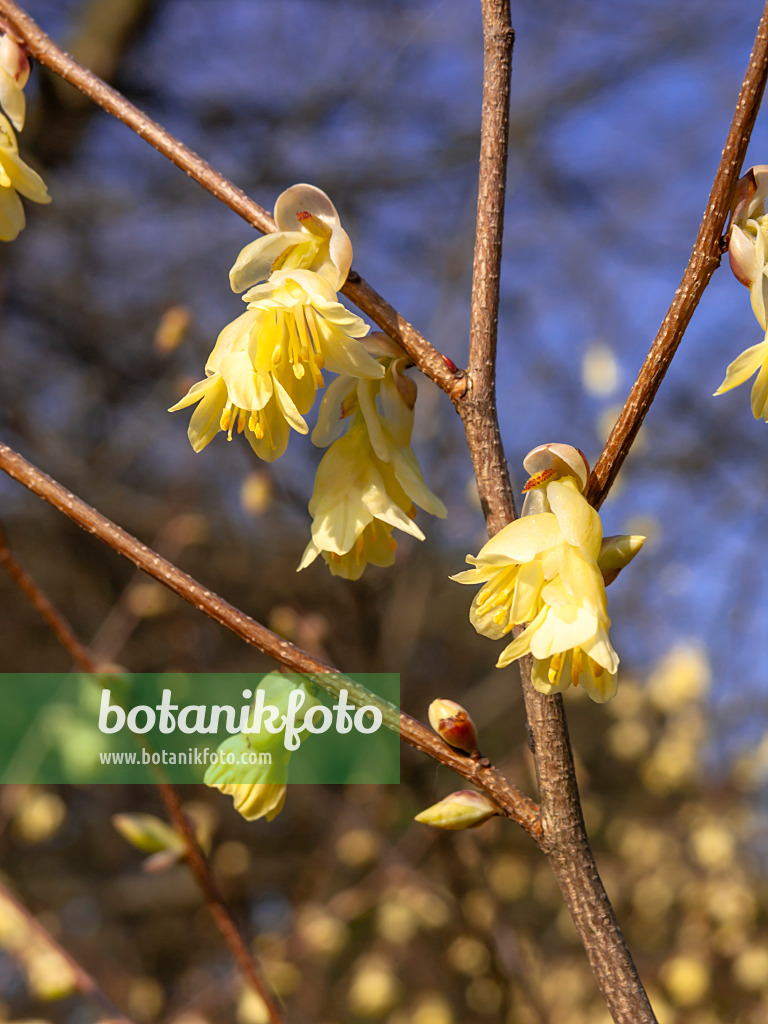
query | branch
[83, 981]
[510, 800]
[425, 356]
[565, 838]
[194, 854]
[220, 912]
[478, 407]
[704, 260]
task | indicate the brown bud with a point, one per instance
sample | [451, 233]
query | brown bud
[452, 723]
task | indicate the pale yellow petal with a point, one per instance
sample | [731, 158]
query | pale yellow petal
[760, 393]
[579, 522]
[521, 540]
[743, 366]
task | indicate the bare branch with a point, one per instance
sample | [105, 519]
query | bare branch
[478, 407]
[220, 912]
[55, 621]
[510, 800]
[704, 260]
[565, 838]
[42, 47]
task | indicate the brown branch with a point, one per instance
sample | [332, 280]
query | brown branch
[221, 914]
[425, 356]
[565, 839]
[216, 904]
[704, 260]
[55, 621]
[510, 800]
[84, 982]
[478, 407]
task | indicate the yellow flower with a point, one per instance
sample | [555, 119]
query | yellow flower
[369, 481]
[264, 370]
[748, 253]
[359, 498]
[235, 396]
[349, 394]
[15, 177]
[258, 790]
[309, 236]
[258, 797]
[14, 72]
[544, 569]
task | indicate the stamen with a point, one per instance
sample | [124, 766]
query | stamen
[539, 478]
[555, 668]
[576, 665]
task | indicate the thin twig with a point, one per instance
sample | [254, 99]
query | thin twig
[219, 911]
[425, 356]
[704, 260]
[566, 843]
[58, 625]
[195, 857]
[85, 983]
[478, 407]
[510, 800]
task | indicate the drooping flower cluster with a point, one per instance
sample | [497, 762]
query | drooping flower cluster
[549, 569]
[368, 482]
[266, 367]
[15, 176]
[748, 254]
[258, 790]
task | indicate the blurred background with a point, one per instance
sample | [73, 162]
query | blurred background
[111, 300]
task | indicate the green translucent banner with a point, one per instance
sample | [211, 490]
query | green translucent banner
[221, 728]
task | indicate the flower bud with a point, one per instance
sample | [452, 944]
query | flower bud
[463, 809]
[148, 833]
[14, 72]
[615, 553]
[452, 724]
[14, 60]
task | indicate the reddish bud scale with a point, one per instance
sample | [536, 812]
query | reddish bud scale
[450, 364]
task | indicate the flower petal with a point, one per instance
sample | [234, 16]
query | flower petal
[743, 366]
[254, 263]
[579, 522]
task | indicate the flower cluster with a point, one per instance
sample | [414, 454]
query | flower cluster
[267, 365]
[368, 482]
[15, 176]
[549, 569]
[748, 254]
